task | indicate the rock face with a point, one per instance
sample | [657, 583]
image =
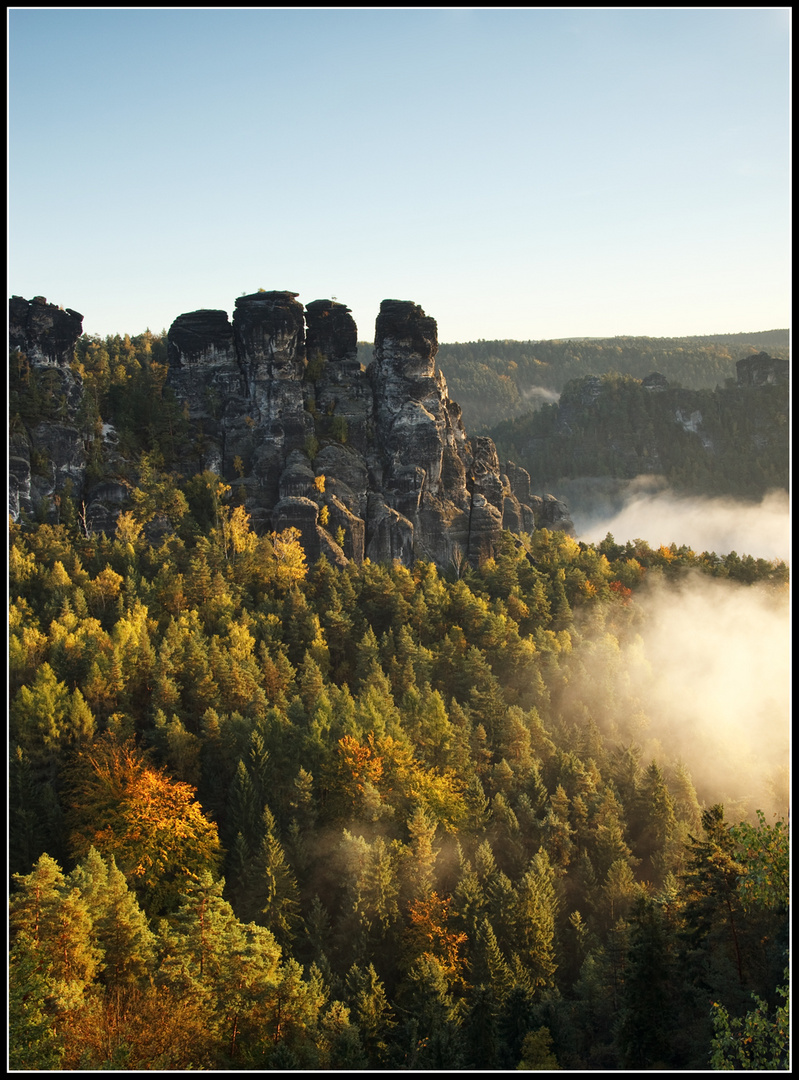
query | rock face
[366, 462]
[761, 370]
[45, 332]
[46, 450]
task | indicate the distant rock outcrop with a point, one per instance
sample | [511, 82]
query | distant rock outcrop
[762, 370]
[730, 440]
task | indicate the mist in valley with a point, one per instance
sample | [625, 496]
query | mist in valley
[539, 395]
[705, 679]
[647, 509]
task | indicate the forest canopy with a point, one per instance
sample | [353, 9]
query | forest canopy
[266, 814]
[271, 815]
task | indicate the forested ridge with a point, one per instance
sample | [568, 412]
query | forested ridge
[266, 814]
[494, 381]
[731, 440]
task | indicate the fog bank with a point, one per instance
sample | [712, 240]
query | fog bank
[705, 682]
[646, 509]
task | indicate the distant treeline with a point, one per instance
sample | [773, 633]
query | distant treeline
[727, 441]
[494, 381]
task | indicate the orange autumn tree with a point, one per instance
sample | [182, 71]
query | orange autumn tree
[428, 934]
[353, 775]
[124, 805]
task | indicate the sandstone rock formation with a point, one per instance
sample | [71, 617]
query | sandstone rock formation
[761, 370]
[366, 461]
[46, 455]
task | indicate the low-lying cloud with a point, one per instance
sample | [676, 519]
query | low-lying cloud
[707, 679]
[704, 681]
[645, 509]
[717, 692]
[539, 395]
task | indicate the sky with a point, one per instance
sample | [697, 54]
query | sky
[521, 174]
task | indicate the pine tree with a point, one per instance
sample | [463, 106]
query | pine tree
[232, 969]
[34, 815]
[419, 861]
[41, 717]
[656, 824]
[273, 891]
[646, 1035]
[244, 814]
[339, 1040]
[120, 927]
[58, 931]
[537, 911]
[427, 997]
[33, 1043]
[372, 1012]
[478, 809]
[371, 900]
[537, 1053]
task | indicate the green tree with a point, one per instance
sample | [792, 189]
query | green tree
[58, 934]
[656, 824]
[372, 1012]
[646, 1035]
[758, 1041]
[273, 886]
[537, 1051]
[33, 1043]
[713, 904]
[371, 899]
[120, 928]
[47, 717]
[157, 494]
[537, 911]
[232, 968]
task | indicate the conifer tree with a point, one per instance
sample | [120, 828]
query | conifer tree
[372, 1012]
[231, 968]
[273, 892]
[33, 1043]
[537, 911]
[57, 925]
[656, 824]
[469, 899]
[120, 928]
[35, 819]
[646, 1035]
[419, 860]
[244, 812]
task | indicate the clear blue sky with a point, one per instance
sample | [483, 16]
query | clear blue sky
[522, 174]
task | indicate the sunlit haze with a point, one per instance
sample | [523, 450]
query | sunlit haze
[521, 174]
[706, 681]
[646, 509]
